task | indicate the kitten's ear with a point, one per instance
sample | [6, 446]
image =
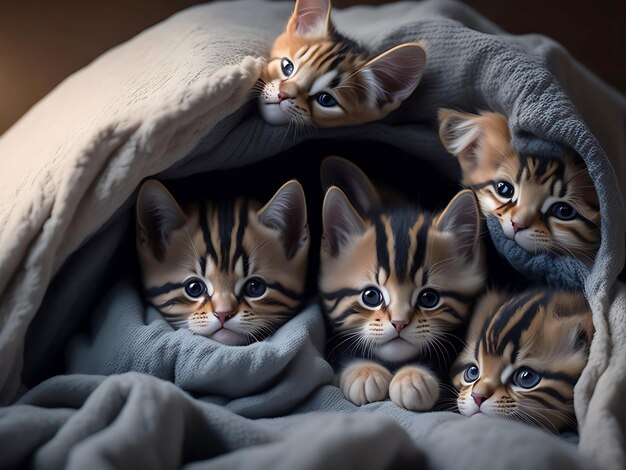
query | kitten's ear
[337, 171]
[310, 18]
[398, 71]
[463, 133]
[286, 212]
[574, 313]
[158, 215]
[341, 221]
[462, 219]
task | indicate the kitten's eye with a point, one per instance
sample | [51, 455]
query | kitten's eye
[428, 298]
[195, 288]
[371, 297]
[286, 66]
[326, 100]
[254, 288]
[471, 374]
[525, 377]
[504, 189]
[563, 211]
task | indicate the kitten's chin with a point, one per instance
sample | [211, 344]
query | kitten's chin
[396, 350]
[272, 113]
[229, 337]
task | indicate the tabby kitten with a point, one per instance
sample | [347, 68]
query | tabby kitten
[316, 76]
[523, 357]
[231, 271]
[544, 205]
[393, 281]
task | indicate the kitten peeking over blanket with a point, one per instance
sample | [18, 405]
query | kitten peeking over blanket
[394, 282]
[231, 270]
[543, 204]
[523, 357]
[316, 76]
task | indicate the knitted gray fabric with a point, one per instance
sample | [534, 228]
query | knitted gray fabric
[543, 269]
[173, 102]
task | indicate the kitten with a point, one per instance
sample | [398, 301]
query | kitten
[545, 205]
[523, 357]
[393, 282]
[316, 76]
[231, 271]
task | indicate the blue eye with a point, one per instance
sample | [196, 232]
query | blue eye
[525, 377]
[254, 288]
[286, 66]
[504, 189]
[195, 288]
[326, 100]
[563, 211]
[428, 298]
[371, 297]
[471, 374]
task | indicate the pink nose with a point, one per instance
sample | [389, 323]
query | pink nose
[517, 227]
[224, 316]
[283, 96]
[478, 399]
[399, 324]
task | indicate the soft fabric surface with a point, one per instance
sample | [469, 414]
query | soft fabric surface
[172, 102]
[267, 378]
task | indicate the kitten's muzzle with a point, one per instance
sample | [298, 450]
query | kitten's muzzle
[224, 316]
[399, 324]
[478, 399]
[284, 96]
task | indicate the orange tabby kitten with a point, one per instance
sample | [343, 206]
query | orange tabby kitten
[543, 204]
[231, 270]
[316, 76]
[523, 357]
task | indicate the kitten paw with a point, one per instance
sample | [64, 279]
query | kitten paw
[414, 388]
[365, 382]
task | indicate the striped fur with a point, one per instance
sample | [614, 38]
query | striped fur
[330, 80]
[232, 248]
[404, 254]
[542, 189]
[544, 332]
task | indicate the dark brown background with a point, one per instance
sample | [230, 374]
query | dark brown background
[42, 41]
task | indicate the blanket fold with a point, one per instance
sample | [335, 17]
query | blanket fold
[175, 101]
[137, 421]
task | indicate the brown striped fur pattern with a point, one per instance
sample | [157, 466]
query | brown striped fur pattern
[232, 271]
[393, 281]
[545, 205]
[523, 357]
[317, 77]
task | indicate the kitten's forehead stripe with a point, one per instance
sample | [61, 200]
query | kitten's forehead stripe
[381, 244]
[203, 265]
[242, 222]
[206, 232]
[300, 52]
[401, 224]
[507, 326]
[324, 54]
[225, 225]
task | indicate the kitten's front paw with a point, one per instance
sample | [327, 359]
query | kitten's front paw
[365, 382]
[414, 388]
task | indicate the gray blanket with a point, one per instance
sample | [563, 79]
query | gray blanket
[173, 102]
